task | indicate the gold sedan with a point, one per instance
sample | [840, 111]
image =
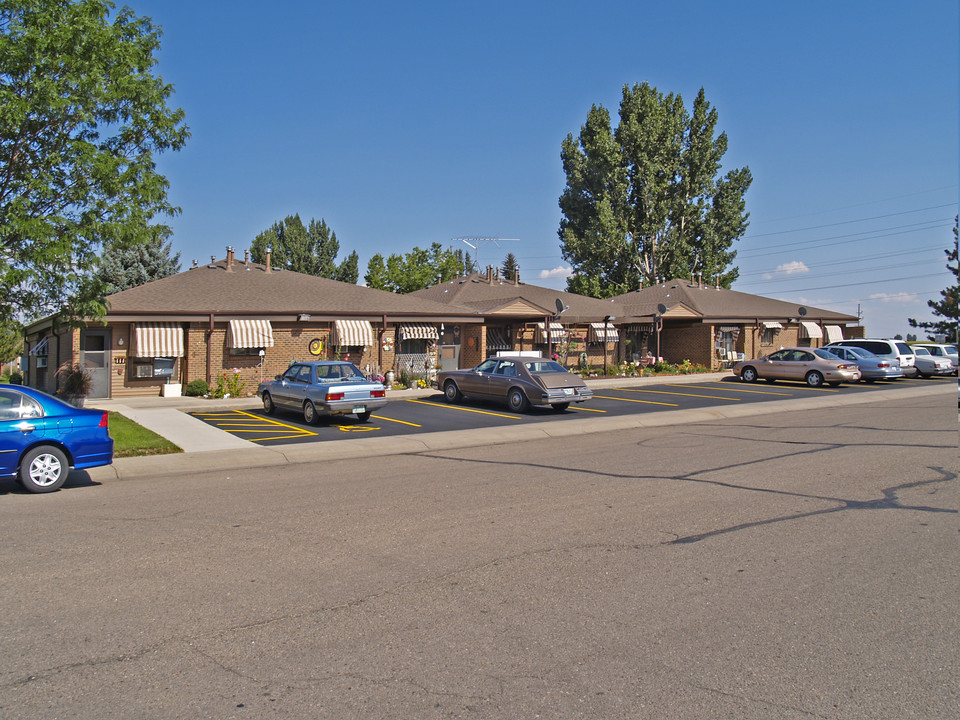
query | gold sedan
[814, 366]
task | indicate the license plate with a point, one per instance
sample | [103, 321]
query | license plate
[360, 408]
[568, 391]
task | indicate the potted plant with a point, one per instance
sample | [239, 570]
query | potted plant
[75, 383]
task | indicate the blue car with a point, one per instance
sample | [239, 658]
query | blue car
[872, 367]
[42, 437]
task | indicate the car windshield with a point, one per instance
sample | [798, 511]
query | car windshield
[338, 372]
[545, 366]
[859, 352]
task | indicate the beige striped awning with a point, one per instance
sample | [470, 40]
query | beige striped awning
[599, 332]
[353, 333]
[810, 330]
[557, 333]
[834, 333]
[250, 334]
[157, 339]
[418, 331]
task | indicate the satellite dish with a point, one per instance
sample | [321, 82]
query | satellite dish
[802, 310]
[559, 306]
[661, 308]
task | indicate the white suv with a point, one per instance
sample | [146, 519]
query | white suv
[890, 349]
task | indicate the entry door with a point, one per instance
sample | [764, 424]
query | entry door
[95, 357]
[449, 357]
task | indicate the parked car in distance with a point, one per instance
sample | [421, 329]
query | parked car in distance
[940, 350]
[885, 348]
[871, 367]
[322, 388]
[814, 366]
[517, 381]
[929, 365]
[42, 437]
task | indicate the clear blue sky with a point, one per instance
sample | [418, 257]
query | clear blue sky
[403, 124]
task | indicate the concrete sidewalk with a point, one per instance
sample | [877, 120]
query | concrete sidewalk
[208, 449]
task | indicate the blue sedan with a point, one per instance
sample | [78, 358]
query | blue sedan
[323, 388]
[872, 367]
[42, 437]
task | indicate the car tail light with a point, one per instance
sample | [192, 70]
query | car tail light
[334, 396]
[104, 421]
[378, 393]
[883, 364]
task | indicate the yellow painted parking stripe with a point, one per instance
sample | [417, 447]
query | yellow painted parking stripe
[588, 409]
[734, 389]
[402, 422]
[645, 402]
[671, 392]
[463, 409]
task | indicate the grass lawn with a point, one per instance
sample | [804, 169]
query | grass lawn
[132, 440]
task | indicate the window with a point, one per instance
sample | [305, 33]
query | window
[487, 366]
[17, 406]
[151, 367]
[767, 336]
[246, 352]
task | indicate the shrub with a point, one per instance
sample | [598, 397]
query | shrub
[196, 388]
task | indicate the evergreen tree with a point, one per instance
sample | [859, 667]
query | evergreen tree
[510, 268]
[946, 306]
[349, 270]
[122, 268]
[645, 201]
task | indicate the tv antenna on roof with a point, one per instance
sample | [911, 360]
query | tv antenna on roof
[475, 243]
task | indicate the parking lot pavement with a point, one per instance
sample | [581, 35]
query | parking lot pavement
[401, 426]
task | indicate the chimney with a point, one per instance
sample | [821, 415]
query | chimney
[194, 263]
[700, 280]
[490, 274]
[229, 259]
[246, 258]
[269, 250]
[516, 276]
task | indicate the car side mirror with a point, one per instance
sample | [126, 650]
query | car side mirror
[276, 377]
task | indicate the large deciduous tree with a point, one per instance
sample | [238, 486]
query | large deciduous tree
[82, 117]
[946, 306]
[646, 201]
[310, 249]
[416, 270]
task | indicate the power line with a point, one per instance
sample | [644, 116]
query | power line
[850, 222]
[832, 240]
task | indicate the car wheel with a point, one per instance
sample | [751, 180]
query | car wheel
[268, 407]
[364, 416]
[451, 392]
[44, 469]
[516, 400]
[814, 379]
[560, 407]
[309, 413]
[748, 374]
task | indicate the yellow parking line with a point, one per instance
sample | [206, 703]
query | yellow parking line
[588, 409]
[665, 392]
[463, 409]
[645, 402]
[402, 422]
[734, 388]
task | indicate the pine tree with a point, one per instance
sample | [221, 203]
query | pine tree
[510, 267]
[122, 267]
[946, 307]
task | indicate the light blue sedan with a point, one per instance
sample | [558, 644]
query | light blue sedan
[323, 388]
[872, 367]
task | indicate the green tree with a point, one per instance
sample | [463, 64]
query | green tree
[82, 118]
[946, 306]
[510, 267]
[416, 270]
[645, 201]
[122, 268]
[11, 340]
[311, 250]
[349, 270]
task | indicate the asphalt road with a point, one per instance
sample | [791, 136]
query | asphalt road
[432, 414]
[798, 565]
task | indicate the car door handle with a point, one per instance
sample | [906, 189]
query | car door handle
[26, 428]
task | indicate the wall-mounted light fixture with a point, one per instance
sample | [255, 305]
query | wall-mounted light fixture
[303, 317]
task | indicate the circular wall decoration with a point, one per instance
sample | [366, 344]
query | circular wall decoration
[387, 344]
[316, 346]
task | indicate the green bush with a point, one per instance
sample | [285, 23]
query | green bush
[196, 388]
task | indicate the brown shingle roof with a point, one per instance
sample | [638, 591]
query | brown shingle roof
[250, 289]
[710, 302]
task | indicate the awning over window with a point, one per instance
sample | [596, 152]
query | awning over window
[417, 331]
[497, 339]
[353, 333]
[639, 328]
[834, 333]
[733, 330]
[158, 339]
[810, 330]
[557, 333]
[602, 333]
[771, 325]
[40, 348]
[250, 334]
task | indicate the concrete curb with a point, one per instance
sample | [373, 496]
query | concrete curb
[255, 456]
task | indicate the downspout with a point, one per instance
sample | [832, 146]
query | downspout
[210, 351]
[380, 344]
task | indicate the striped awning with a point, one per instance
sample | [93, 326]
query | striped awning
[557, 333]
[353, 333]
[771, 325]
[498, 339]
[40, 348]
[418, 331]
[602, 333]
[250, 334]
[810, 330]
[157, 339]
[834, 333]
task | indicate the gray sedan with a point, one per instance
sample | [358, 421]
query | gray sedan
[323, 388]
[517, 381]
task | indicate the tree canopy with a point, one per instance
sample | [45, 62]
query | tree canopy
[416, 270]
[122, 267]
[311, 250]
[82, 117]
[946, 306]
[510, 267]
[645, 201]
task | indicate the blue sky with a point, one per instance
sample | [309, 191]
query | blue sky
[403, 124]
